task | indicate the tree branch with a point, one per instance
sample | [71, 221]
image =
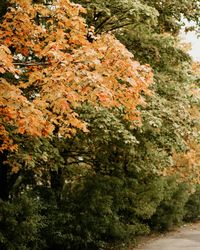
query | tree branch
[31, 63]
[98, 28]
[120, 26]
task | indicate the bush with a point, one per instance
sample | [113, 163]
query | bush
[171, 211]
[101, 210]
[21, 224]
[91, 215]
[192, 206]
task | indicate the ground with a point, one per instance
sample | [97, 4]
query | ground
[187, 237]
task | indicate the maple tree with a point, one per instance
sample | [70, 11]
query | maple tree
[169, 124]
[119, 15]
[49, 68]
[186, 164]
[168, 140]
[72, 152]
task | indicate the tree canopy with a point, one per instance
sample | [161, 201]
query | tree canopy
[50, 68]
[99, 122]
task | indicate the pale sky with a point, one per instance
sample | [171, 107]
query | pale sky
[195, 42]
[191, 37]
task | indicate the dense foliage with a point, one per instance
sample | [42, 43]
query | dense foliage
[91, 156]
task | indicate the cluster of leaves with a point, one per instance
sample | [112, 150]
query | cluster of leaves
[58, 69]
[71, 101]
[112, 15]
[163, 16]
[170, 123]
[21, 223]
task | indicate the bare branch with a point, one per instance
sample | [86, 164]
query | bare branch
[120, 26]
[98, 28]
[31, 63]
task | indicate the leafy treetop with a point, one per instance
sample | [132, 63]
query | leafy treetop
[161, 16]
[49, 68]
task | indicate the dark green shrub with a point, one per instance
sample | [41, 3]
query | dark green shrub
[192, 206]
[20, 224]
[171, 210]
[100, 210]
[91, 215]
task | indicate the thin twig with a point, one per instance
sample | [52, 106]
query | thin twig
[31, 63]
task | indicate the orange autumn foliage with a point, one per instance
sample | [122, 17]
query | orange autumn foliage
[55, 69]
[186, 164]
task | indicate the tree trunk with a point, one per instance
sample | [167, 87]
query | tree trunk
[4, 186]
[3, 8]
[57, 183]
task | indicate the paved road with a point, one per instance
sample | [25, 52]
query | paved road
[187, 238]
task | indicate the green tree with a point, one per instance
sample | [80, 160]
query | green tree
[55, 51]
[168, 122]
[111, 183]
